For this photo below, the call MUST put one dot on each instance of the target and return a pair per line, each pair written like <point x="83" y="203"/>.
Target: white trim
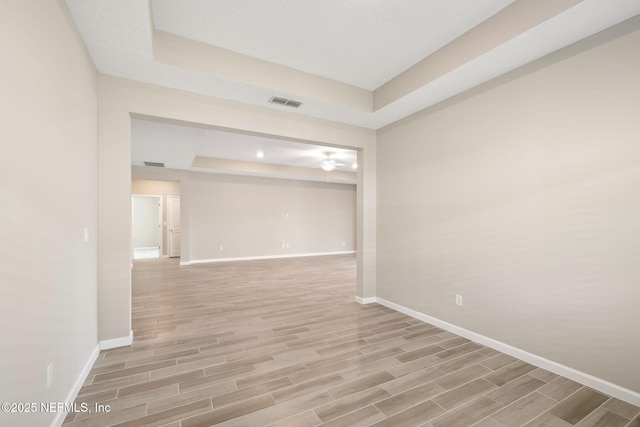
<point x="170" y="201"/>
<point x="599" y="384"/>
<point x="73" y="393"/>
<point x="116" y="342"/>
<point x="253" y="258"/>
<point x="368" y="300"/>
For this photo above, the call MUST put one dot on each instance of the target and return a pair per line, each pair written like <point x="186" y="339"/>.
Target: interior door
<point x="174" y="225"/>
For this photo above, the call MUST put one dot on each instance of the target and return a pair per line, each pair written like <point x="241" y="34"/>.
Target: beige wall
<point x="158" y="188"/>
<point x="523" y="196"/>
<point x="247" y="215"/>
<point x="48" y="184"/>
<point x="253" y="217"/>
<point x="120" y="99"/>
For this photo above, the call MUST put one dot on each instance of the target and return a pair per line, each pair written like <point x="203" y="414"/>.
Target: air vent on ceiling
<point x="285" y="101"/>
<point x="154" y="164"/>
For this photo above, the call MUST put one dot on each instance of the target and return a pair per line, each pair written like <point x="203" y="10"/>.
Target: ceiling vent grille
<point x="154" y="164"/>
<point x="285" y="101"/>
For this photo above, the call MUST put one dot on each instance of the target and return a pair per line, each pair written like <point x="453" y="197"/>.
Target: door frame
<point x="170" y="200"/>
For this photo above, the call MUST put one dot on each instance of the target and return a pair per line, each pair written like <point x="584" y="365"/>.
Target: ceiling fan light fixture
<point x="328" y="165"/>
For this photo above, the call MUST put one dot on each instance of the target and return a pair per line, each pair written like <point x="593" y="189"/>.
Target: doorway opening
<point x="165" y="219"/>
<point x="146" y="226"/>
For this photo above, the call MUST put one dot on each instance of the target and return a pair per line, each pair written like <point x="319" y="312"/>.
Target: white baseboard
<point x="116" y="342"/>
<point x="599" y="384"/>
<point x="71" y="397"/>
<point x="368" y="300"/>
<point x="254" y="258"/>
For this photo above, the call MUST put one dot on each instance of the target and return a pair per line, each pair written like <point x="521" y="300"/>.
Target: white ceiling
<point x="177" y="145"/>
<point x="361" y="43"/>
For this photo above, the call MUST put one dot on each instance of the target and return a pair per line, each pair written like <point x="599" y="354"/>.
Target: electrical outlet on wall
<point x="459" y="300"/>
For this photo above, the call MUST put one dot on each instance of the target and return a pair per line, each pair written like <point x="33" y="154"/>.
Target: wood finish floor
<point x="282" y="343"/>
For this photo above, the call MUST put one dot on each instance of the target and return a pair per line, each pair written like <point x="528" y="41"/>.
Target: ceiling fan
<point x="329" y="164"/>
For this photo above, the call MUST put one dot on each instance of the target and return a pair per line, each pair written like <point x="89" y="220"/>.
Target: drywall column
<point x="114" y="222"/>
<point x="366" y="224"/>
<point x="185" y="221"/>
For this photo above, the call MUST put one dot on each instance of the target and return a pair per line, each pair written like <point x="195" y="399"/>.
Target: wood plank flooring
<point x="282" y="343"/>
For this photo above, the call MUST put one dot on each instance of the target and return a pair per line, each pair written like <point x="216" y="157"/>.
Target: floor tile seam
<point x="453" y="348"/>
<point x="461" y="369"/>
<point x="238" y="360"/>
<point x="575" y="392"/>
<point x="302" y="395"/>
<point x="266" y="343"/>
<point x="607" y="410"/>
<point x="360" y="391"/>
<point x="494" y="371"/>
<point x="611" y="398"/>
<point x="119" y="387"/>
<point x="187" y="369"/>
<point x="215" y="409"/>
<point x="567" y="396"/>
<point x="536" y="390"/>
<point x="633" y="422"/>
<point x="82" y="396"/>
<point x="484" y="419"/>
<point x="390" y="356"/>
<point x="131" y="375"/>
<point x="175" y="360"/>
<point x="195" y="346"/>
<point x="477" y="362"/>
<point x="498" y="408"/>
<point x="323" y="366"/>
<point x="421" y="357"/>
<point x="340" y="360"/>
<point x="501" y="367"/>
<point x="149" y="380"/>
<point x="369" y="404"/>
<point x="599" y="406"/>
<point x="521" y="398"/>
<point x="330" y="354"/>
<point x="180" y="391"/>
<point x="392" y="336"/>
<point x="346" y="413"/>
<point x="521" y="424"/>
<point x="416" y="350"/>
<point x="430" y="399"/>
<point x="235" y="380"/>
<point x="495" y="387"/>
